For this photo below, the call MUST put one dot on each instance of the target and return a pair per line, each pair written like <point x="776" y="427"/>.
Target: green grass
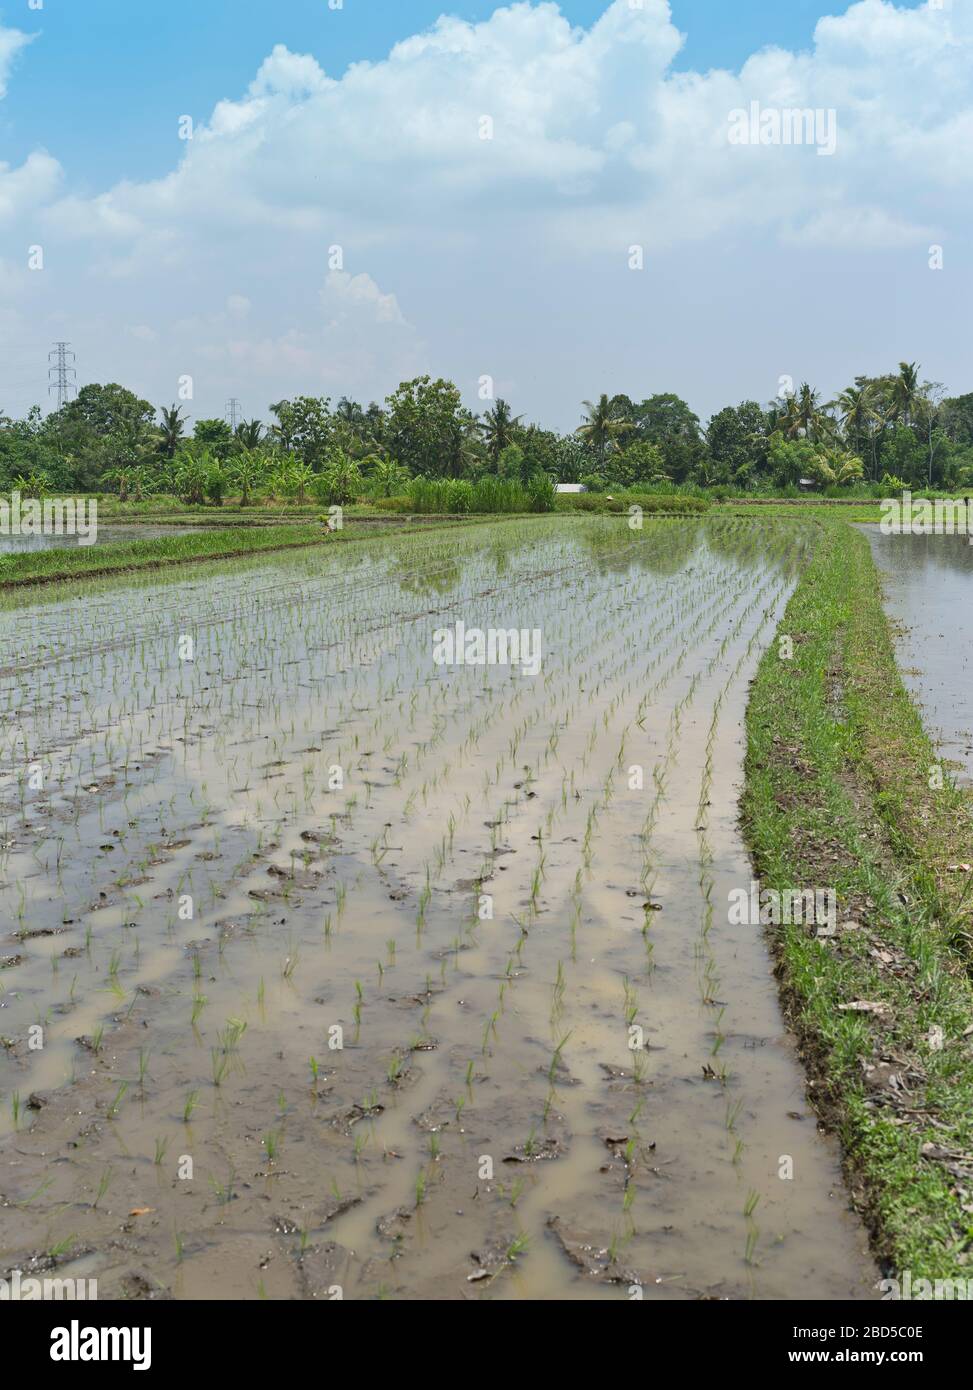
<point x="44" y="566"/>
<point x="807" y="508"/>
<point x="121" y="557"/>
<point x="837" y="795"/>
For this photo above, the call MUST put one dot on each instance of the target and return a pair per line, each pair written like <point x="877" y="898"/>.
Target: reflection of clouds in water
<point x="659" y="548"/>
<point x="928" y="588"/>
<point x="663" y="547"/>
<point x="745" y="543"/>
<point x="441" y="578"/>
<point x="10" y="545"/>
<point x="902" y="554"/>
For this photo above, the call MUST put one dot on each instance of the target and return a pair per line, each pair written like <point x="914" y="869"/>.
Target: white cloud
<point x="12" y="41"/>
<point x="31" y="186"/>
<point x="287" y="74"/>
<point x="452" y="240"/>
<point x="591" y="123"/>
<point x="344" y="294"/>
<point x="37" y="179"/>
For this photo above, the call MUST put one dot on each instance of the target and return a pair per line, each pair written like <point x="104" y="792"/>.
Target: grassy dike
<point x="122" y="557"/>
<point x="838" y="794"/>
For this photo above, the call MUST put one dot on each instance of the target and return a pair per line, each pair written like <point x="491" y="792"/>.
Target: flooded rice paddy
<point x="928" y="589"/>
<point x="21" y="544"/>
<point x="330" y="970"/>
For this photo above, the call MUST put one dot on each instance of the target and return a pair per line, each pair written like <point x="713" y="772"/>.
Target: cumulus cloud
<point x="343" y="295"/>
<point x="522" y="113"/>
<point x="519" y="151"/>
<point x="12" y="41"/>
<point x="29" y="187"/>
<point x="37" y="179"/>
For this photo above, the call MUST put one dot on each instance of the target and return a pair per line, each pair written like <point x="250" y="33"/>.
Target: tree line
<point x="890" y="431"/>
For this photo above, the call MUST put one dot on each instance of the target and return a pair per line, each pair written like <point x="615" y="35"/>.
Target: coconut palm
<point x="498" y="426"/>
<point x="603" y="425"/>
<point x="171" y="431"/>
<point x="840" y="466"/>
<point x="808" y="413"/>
<point x="907" y="394"/>
<point x="349" y="412"/>
<point x="856" y="410"/>
<point x="859" y="415"/>
<point x="249" y="433"/>
<point x="784" y="418"/>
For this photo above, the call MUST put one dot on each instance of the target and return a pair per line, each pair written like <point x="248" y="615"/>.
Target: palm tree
<point x="464" y="447"/>
<point x="498" y="426"/>
<point x="249" y="433"/>
<point x="840" y="466"/>
<point x="350" y="412"/>
<point x="907" y="394"/>
<point x="808" y="414"/>
<point x="855" y="410"/>
<point x="782" y="416"/>
<point x="857" y="415"/>
<point x="171" y="431"/>
<point x="602" y="425"/>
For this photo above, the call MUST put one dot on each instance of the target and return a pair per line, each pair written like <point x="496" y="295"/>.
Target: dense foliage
<point x="423" y="444"/>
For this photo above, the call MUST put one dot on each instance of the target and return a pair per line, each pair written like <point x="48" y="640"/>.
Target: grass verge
<point x="842" y="790"/>
<point x="121" y="557"/>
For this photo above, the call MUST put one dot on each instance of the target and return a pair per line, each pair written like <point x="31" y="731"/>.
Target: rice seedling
<point x="104" y="1183"/>
<point x="459" y="788"/>
<point x="115" y="1106"/>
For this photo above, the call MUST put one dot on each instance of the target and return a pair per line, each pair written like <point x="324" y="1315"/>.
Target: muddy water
<point x="327" y="967"/>
<point x="928" y="587"/>
<point x="16" y="545"/>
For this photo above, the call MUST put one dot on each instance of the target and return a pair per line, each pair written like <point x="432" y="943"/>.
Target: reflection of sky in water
<point x="928" y="584"/>
<point x="18" y="544"/>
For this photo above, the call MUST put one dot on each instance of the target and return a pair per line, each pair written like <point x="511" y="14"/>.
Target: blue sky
<point x="143" y="60"/>
<point x="509" y="259"/>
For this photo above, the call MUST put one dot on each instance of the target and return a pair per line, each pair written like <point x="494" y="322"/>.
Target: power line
<point x="65" y="383"/>
<point x="232" y="412"/>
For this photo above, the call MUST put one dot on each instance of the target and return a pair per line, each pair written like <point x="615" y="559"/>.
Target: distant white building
<point x="570" y="487"/>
